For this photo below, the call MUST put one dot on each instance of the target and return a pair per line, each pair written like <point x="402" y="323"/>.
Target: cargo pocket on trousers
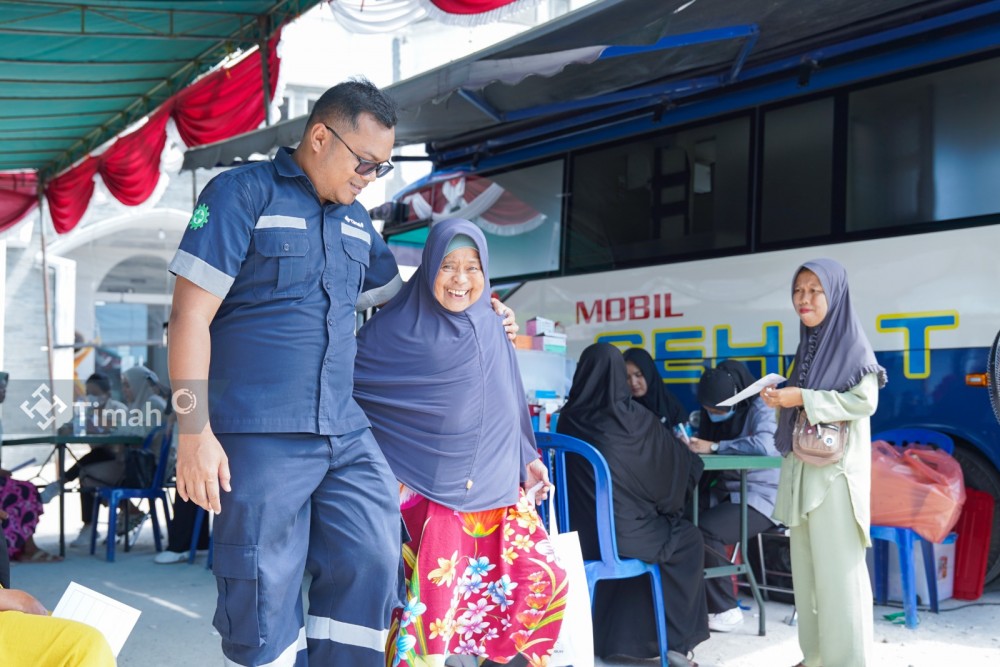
<point x="238" y="613"/>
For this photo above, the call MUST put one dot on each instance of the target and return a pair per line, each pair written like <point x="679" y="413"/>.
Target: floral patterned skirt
<point x="23" y="507"/>
<point x="482" y="584"/>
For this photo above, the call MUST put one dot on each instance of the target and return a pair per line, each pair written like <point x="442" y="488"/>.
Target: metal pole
<point x="50" y="350"/>
<point x="265" y="54"/>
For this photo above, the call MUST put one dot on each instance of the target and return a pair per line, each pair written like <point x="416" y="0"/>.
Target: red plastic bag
<point x="916" y="487"/>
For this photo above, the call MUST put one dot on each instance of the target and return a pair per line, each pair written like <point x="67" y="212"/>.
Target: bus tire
<point x="993" y="376"/>
<point x="980" y="474"/>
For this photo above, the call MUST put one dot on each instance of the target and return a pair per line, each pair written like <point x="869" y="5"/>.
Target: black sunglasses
<point x="364" y="167"/>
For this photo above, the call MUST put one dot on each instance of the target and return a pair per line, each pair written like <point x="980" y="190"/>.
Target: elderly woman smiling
<point x="439" y="381"/>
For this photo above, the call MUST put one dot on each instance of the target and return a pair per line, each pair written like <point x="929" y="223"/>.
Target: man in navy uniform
<point x="277" y="258"/>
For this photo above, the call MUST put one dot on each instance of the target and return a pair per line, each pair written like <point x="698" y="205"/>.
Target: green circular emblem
<point x="199" y="218"/>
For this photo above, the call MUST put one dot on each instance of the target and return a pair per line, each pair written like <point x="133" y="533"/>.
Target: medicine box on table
<point x="537" y="326"/>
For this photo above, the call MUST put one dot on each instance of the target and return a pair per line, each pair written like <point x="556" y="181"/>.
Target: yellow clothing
<point x="29" y="640"/>
<point x="804" y="486"/>
<point x="828" y="512"/>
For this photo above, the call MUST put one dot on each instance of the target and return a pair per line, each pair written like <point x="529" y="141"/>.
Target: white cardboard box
<point x="944" y="569"/>
<point x="537" y="326"/>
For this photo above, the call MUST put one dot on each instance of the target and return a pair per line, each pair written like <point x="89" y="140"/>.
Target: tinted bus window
<point x="660" y="197"/>
<point x="924" y="149"/>
<point x="796" y="193"/>
<point x="522" y="227"/>
<point x="519" y="212"/>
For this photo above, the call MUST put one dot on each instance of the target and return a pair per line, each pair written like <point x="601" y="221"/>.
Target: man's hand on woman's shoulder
<point x="509" y="319"/>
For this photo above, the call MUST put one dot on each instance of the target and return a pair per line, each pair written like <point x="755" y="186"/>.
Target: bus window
<point x="924" y="149"/>
<point x="660" y="197"/>
<point x="518" y="210"/>
<point x="797" y="177"/>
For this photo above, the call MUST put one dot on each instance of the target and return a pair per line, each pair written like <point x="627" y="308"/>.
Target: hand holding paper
<point x="769" y="380"/>
<point x="113" y="618"/>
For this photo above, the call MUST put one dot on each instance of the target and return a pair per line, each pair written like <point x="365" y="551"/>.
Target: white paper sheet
<point x="113" y="618"/>
<point x="768" y="380"/>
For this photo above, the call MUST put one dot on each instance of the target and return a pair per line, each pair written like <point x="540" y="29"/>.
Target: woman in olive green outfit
<point x="835" y="378"/>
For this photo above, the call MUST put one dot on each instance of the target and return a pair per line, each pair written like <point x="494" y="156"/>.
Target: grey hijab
<point x="833" y="355"/>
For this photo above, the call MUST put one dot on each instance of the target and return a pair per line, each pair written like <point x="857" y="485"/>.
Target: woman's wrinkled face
<point x="636" y="380"/>
<point x="459" y="282"/>
<point x="809" y="298"/>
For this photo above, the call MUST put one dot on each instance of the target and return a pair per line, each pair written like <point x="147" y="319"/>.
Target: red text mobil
<point x="681" y="353"/>
<point x="621" y="308"/>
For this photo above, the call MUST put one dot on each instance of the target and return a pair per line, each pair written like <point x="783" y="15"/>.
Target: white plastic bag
<point x="575" y="645"/>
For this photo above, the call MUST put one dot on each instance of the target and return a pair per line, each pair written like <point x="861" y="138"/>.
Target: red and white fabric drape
<point x="227" y="102"/>
<point x="494" y="209"/>
<point x="18" y="196"/>
<point x="378" y="16"/>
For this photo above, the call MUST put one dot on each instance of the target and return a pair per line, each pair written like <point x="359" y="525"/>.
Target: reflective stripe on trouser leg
<point x="261" y="541"/>
<point x="288" y="657"/>
<point x="354" y="556"/>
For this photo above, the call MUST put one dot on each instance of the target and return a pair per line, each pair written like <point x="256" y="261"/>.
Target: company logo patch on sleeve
<point x="199" y="218"/>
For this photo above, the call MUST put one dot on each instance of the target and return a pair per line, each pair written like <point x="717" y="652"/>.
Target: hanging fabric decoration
<point x="382" y="16"/>
<point x="222" y="104"/>
<point x="487" y="204"/>
<point x="18" y="196"/>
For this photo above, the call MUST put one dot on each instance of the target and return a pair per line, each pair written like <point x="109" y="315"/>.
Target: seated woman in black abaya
<point x="651" y="474"/>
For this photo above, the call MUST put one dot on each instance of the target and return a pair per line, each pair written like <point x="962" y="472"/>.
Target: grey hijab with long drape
<point x="443" y="391"/>
<point x="833" y="355"/>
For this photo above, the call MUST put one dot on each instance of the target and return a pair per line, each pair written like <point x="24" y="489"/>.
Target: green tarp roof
<point x="75" y="74"/>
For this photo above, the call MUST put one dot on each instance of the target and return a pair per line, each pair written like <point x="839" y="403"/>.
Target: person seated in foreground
<point x="29" y="637"/>
<point x="746" y="428"/>
<point x="20" y="512"/>
<point x="20" y="509"/>
<point x="652" y="473"/>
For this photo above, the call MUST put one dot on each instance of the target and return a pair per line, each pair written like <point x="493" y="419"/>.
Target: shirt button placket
<point x="328" y="283"/>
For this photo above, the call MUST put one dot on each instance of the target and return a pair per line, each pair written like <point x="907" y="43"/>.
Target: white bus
<point x="679" y="231"/>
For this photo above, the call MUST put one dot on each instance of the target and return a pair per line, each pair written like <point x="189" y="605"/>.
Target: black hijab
<point x="835" y="354"/>
<point x="716" y="385"/>
<point x="658" y="398"/>
<point x="651" y="470"/>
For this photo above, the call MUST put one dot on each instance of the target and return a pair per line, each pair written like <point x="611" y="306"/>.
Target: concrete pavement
<point x="178" y="601"/>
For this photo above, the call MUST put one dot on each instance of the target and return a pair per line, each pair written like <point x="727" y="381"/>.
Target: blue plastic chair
<point x="114" y="495"/>
<point x="906" y="538"/>
<point x="554" y="447"/>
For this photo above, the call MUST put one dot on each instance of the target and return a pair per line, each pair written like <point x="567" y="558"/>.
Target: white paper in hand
<point x="769" y="380"/>
<point x="114" y="619"/>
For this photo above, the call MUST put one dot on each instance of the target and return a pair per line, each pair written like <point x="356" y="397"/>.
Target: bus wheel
<point x="993" y="376"/>
<point x="980" y="474"/>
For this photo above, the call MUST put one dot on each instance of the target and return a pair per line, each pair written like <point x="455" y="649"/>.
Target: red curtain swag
<point x="469" y="6"/>
<point x="223" y="104"/>
<point x="476" y="198"/>
<point x="18" y="197"/>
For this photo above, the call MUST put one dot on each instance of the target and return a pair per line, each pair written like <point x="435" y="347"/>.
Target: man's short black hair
<point x="101" y="381"/>
<point x="343" y="103"/>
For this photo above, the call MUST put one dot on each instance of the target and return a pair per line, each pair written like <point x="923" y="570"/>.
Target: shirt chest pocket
<point x="357" y="265"/>
<point x="280" y="268"/>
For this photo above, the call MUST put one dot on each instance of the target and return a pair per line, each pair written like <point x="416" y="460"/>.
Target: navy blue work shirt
<point x="291" y="273"/>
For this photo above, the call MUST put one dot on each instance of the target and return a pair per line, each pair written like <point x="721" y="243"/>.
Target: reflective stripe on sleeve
<point x="201" y="273"/>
